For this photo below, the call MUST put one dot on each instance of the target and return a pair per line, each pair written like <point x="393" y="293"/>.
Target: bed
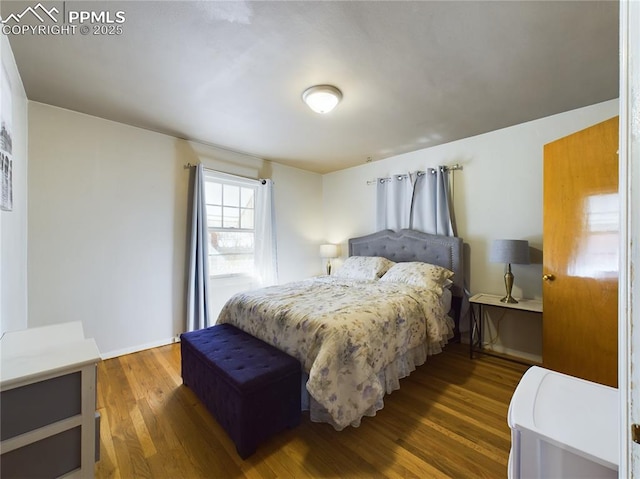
<point x="359" y="331"/>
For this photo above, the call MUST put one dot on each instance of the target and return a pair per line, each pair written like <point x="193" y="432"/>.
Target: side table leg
<point x="473" y="328"/>
<point x="480" y="327"/>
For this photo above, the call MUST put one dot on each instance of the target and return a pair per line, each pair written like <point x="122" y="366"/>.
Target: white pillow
<point x="424" y="275"/>
<point x="364" y="267"/>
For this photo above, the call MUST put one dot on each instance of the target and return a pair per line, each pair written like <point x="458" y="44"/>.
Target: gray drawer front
<point x="36" y="405"/>
<point x="51" y="457"/>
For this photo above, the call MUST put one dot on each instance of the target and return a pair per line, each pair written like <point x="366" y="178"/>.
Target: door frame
<point x="629" y="290"/>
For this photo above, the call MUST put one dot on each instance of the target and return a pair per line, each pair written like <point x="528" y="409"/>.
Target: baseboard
<point x="534" y="358"/>
<point x="142" y="347"/>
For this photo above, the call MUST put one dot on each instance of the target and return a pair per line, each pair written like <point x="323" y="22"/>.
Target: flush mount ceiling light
<point x="322" y="98"/>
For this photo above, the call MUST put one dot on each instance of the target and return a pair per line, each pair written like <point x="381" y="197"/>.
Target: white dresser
<point x="48" y="402"/>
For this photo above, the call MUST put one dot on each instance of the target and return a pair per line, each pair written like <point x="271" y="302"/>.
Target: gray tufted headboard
<point x="412" y="245"/>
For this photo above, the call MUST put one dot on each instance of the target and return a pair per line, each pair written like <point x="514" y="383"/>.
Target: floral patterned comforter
<point x="343" y="331"/>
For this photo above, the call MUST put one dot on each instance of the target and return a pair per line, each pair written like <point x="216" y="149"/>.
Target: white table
<point x="482" y="300"/>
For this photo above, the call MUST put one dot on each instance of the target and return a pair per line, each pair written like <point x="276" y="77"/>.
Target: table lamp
<point x="329" y="251"/>
<point x="509" y="252"/>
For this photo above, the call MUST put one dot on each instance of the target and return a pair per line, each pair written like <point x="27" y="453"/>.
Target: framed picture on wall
<point x="6" y="147"/>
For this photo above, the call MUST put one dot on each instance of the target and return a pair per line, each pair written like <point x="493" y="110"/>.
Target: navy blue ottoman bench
<point x="249" y="386"/>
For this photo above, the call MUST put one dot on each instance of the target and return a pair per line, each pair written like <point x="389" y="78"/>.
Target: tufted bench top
<point x="243" y="361"/>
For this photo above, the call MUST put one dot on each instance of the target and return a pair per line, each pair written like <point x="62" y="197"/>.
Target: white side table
<point x="479" y="302"/>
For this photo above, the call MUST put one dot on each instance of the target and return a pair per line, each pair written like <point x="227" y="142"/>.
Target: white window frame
<point x="227" y="179"/>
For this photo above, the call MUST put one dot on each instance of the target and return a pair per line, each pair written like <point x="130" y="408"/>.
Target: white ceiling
<point x="413" y="74"/>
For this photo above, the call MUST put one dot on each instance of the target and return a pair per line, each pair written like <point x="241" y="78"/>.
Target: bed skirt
<point x="390" y="377"/>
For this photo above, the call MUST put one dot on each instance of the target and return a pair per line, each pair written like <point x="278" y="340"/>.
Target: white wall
<point x="13" y="224"/>
<point x="108" y="227"/>
<point x="298" y="204"/>
<point x="498" y="194"/>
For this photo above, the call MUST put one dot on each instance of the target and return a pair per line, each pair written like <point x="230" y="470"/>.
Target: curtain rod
<point x="431" y="170"/>
<point x="188" y="166"/>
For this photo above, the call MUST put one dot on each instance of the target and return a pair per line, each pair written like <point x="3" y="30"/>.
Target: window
<point x="231" y="206"/>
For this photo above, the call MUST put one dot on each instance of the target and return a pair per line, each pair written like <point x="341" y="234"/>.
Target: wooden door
<point x="581" y="227"/>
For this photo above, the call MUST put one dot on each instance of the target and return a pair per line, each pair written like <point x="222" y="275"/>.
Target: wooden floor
<point x="447" y="420"/>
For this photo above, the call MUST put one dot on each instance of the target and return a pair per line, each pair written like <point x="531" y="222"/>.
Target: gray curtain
<point x="198" y="281"/>
<point x="419" y="201"/>
<point x="431" y="210"/>
<point x="393" y="202"/>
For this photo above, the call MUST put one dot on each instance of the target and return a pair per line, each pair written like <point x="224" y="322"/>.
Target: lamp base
<point x="508" y="299"/>
<point x="508" y="283"/>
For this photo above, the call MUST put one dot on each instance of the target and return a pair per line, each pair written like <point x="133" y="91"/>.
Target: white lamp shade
<point x="510" y="251"/>
<point x="329" y="251"/>
<point x="322" y="98"/>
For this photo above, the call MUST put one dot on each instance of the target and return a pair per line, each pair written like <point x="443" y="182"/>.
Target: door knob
<point x="548" y="277"/>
